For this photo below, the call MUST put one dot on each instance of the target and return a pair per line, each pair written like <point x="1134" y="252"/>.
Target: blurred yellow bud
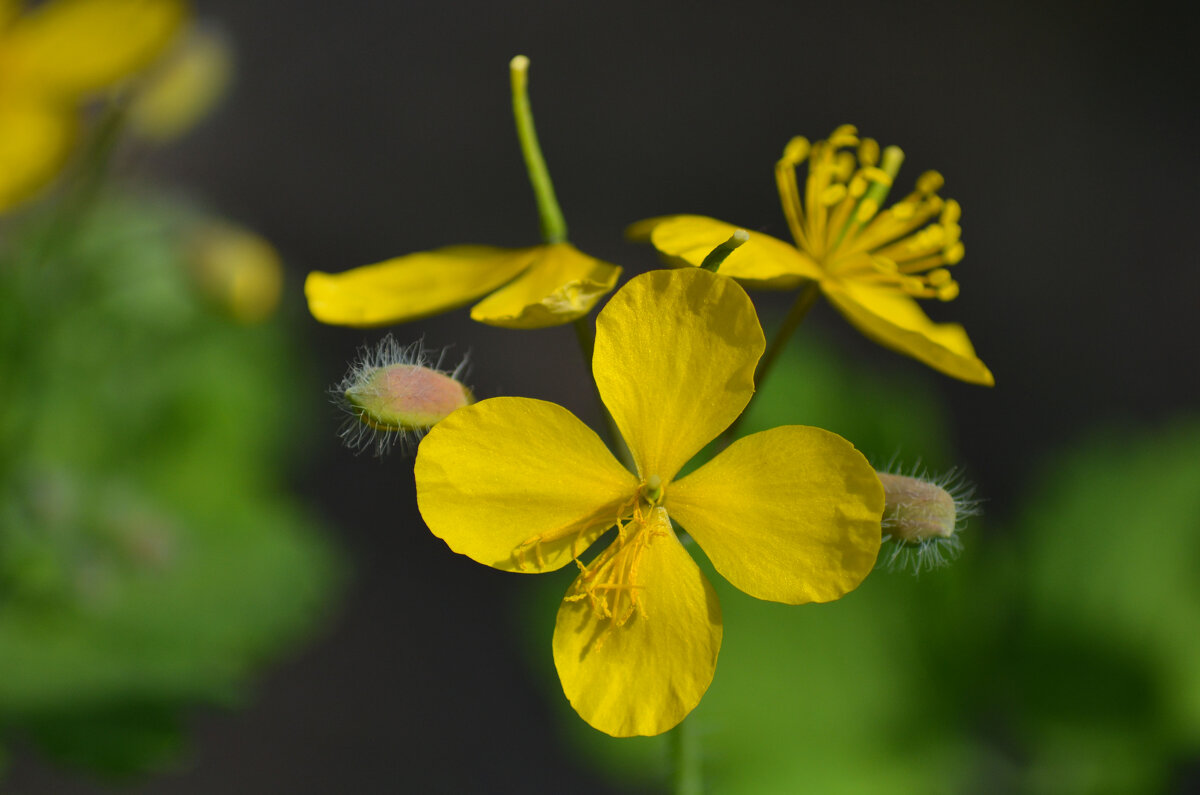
<point x="236" y="270"/>
<point x="184" y="87"/>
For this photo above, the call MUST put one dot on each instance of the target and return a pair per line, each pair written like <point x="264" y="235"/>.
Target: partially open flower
<point x="395" y="393"/>
<point x="922" y="517"/>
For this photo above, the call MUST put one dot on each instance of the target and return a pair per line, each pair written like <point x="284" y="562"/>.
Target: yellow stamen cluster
<point x="840" y="225"/>
<point x="610" y="581"/>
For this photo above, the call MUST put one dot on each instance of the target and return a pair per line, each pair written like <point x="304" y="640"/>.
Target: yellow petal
<point x="562" y="284"/>
<point x="896" y="321"/>
<point x="674" y="363"/>
<point x="65" y="48"/>
<point x="644" y="676"/>
<point x="34" y="144"/>
<point x="762" y="261"/>
<point x="791" y="514"/>
<point x="412" y="286"/>
<point x="505" y="472"/>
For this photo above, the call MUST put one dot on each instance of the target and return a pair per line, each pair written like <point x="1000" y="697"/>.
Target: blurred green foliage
<point x="1060" y="654"/>
<point x="150" y="559"/>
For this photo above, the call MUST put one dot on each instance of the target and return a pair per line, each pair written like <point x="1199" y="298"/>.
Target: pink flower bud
<point x="394" y="393"/>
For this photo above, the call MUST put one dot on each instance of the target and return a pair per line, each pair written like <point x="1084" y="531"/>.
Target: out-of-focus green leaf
<point x="882" y="414"/>
<point x="149" y="557"/>
<point x="1109" y="659"/>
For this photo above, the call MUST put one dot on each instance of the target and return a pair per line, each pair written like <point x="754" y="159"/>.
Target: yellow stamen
<point x="930" y="182"/>
<point x="954" y="254"/>
<point x="868" y="152"/>
<point x="843" y="225"/>
<point x="610" y="582"/>
<point x="575" y="531"/>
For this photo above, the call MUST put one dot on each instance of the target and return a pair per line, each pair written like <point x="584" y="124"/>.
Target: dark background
<point x="361" y="131"/>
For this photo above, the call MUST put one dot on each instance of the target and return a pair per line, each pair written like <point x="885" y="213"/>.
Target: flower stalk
<point x="687" y="777"/>
<point x="795" y="316"/>
<point x="554" y="226"/>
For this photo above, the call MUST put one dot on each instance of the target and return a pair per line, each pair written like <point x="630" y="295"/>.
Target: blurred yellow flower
<point x="870" y="263"/>
<point x="790" y="515"/>
<point x="53" y="56"/>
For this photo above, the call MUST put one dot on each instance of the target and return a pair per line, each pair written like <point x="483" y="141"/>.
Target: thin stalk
<point x="587" y="346"/>
<point x="795" y="316"/>
<point x="554" y="226"/>
<point x="73" y="208"/>
<point x="687" y="778"/>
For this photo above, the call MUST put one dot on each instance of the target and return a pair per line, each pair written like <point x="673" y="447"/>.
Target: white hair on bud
<point x="935" y="551"/>
<point x="357" y="431"/>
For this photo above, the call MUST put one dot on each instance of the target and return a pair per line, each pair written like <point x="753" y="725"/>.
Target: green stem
<point x="73" y="208"/>
<point x="587" y="346"/>
<point x="804" y="301"/>
<point x="687" y="777"/>
<point x="554" y="226"/>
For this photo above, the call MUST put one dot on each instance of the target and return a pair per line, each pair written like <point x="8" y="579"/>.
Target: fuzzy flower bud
<point x="185" y="86"/>
<point x="395" y="393"/>
<point x="237" y="271"/>
<point x="922" y="517"/>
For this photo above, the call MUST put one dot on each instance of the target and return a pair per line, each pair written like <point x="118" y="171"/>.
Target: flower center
<point x="840" y="225"/>
<point x="633" y="511"/>
<point x="652" y="490"/>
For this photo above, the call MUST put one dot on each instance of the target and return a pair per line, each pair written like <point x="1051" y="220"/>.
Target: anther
<point x="868" y="152"/>
<point x="930" y="182"/>
<point x="796" y="150"/>
<point x="833" y="194"/>
<point x="866" y="210"/>
<point x="951" y="213"/>
<point x="843" y="166"/>
<point x="938" y="277"/>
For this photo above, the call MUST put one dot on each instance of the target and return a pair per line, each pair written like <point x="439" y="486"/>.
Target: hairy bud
<point x="922" y="517"/>
<point x="395" y="393"/>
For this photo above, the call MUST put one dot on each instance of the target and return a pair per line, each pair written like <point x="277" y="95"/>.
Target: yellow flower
<point x="870" y="264"/>
<point x="790" y="515"/>
<point x="531" y="287"/>
<point x="51" y="58"/>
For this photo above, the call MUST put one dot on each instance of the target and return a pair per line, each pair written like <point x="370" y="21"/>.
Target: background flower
<point x="870" y="262"/>
<point x="54" y="56"/>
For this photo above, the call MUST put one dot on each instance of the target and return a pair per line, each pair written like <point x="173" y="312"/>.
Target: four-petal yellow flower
<point x="790" y="515"/>
<point x="871" y="263"/>
<point x="54" y="56"/>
